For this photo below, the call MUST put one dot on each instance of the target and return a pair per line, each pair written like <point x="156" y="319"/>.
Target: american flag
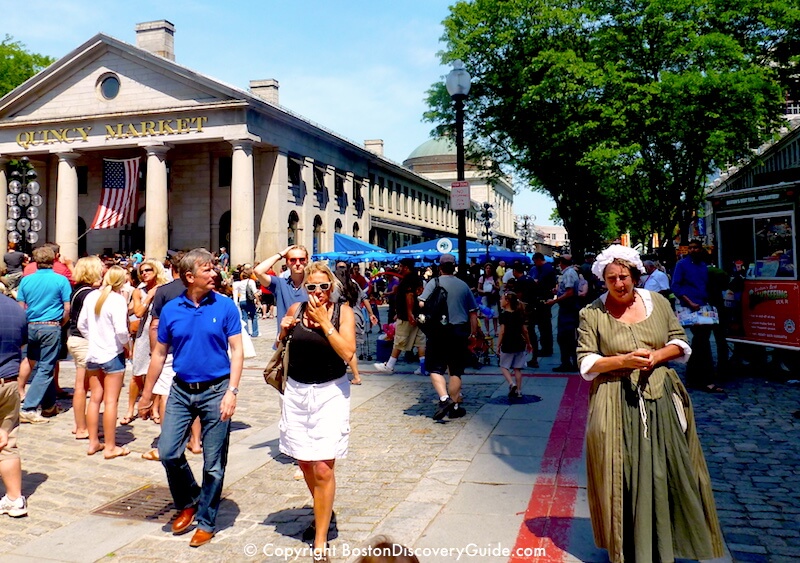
<point x="120" y="199"/>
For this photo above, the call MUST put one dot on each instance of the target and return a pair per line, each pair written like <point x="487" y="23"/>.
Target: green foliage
<point x="17" y="64"/>
<point x="619" y="110"/>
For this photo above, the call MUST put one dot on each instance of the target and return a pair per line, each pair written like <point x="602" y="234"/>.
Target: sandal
<point x="156" y="418"/>
<point x="126" y="420"/>
<point x="152" y="455"/>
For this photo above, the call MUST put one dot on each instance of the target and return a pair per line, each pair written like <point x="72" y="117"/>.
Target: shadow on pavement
<point x="31" y="482"/>
<point x="292" y="522"/>
<point x="562" y="531"/>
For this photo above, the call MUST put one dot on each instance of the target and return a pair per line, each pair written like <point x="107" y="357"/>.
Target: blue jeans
<point x="44" y="343"/>
<point x="249" y="312"/>
<point x="182" y="408"/>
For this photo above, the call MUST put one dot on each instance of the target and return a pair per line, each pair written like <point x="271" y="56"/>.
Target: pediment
<point x="70" y="87"/>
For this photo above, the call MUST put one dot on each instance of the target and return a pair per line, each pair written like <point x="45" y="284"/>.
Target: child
<point x="513" y="343"/>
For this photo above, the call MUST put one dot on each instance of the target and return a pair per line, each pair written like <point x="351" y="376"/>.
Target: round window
<point x="109" y="87"/>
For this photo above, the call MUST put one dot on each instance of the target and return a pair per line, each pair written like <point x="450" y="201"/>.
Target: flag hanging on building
<point x="120" y="199"/>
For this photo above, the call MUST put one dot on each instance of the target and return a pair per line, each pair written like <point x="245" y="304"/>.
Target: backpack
<point x="434" y="314"/>
<point x="249" y="293"/>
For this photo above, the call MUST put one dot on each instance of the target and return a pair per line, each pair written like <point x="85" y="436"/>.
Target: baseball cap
<point x="447" y="258"/>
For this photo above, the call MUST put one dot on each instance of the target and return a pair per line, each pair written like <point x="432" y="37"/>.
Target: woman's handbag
<point x="275" y="373"/>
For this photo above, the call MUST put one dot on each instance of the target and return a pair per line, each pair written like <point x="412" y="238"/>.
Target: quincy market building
<point x="219" y="166"/>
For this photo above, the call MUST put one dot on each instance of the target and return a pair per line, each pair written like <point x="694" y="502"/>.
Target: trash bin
<point x="383" y="350"/>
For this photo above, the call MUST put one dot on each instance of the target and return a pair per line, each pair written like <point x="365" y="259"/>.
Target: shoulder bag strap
<point x="72" y="300"/>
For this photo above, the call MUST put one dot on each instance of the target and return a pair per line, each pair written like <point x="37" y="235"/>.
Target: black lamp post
<point x="23" y="201"/>
<point x="458" y="83"/>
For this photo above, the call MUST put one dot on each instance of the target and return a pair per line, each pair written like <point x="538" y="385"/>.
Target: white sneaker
<point x="419" y="371"/>
<point x="383" y="367"/>
<point x="14" y="508"/>
<point x="32" y="417"/>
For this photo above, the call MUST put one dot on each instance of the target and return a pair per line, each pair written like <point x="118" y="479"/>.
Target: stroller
<point x="481" y="349"/>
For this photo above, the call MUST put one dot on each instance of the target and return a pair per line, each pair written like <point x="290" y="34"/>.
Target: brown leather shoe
<point x="200" y="537"/>
<point x="183" y="520"/>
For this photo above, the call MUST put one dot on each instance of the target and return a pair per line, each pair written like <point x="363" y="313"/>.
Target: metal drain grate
<point x="151" y="503"/>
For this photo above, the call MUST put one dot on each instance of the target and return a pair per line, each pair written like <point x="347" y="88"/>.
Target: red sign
<point x="459" y="195"/>
<point x="771" y="312"/>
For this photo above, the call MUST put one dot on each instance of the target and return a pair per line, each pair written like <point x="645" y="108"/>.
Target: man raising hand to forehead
<point x="287" y="291"/>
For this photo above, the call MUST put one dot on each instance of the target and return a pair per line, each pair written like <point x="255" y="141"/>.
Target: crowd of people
<point x="181" y="323"/>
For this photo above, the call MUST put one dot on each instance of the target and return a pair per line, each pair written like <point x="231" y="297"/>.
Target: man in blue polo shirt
<point x="200" y="326"/>
<point x="45" y="297"/>
<point x="289" y="290"/>
<point x="13" y="334"/>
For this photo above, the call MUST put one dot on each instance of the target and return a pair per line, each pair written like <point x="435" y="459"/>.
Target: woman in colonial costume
<point x="650" y="494"/>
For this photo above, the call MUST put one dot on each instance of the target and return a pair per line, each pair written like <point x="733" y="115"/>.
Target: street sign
<point x="459" y="196"/>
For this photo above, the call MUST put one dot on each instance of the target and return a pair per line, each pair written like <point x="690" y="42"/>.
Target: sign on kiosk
<point x="770" y="312"/>
<point x="459" y="196"/>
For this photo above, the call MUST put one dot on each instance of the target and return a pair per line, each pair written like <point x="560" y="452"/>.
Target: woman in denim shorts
<point x="87" y="276"/>
<point x="104" y="323"/>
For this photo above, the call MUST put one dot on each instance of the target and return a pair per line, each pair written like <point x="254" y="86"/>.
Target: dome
<point x="434" y="147"/>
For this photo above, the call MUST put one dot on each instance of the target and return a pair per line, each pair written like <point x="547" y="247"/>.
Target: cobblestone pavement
<point x="752" y="446"/>
<point x="396" y="477"/>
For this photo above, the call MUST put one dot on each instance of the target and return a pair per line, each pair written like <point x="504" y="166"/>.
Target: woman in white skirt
<point x="315" y="419"/>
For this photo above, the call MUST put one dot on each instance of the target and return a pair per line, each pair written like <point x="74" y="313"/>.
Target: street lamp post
<point x="525" y="231"/>
<point x="23" y="201"/>
<point x="458" y="83"/>
<point x="488" y="234"/>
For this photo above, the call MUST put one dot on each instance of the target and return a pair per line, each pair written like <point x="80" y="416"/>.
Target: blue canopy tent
<point x="353" y="246"/>
<point x="430" y="245"/>
<point x="349" y="249"/>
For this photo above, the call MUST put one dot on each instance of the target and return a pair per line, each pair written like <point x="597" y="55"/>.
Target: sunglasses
<point x="312" y="287"/>
<point x="145" y="270"/>
<point x="296" y="260"/>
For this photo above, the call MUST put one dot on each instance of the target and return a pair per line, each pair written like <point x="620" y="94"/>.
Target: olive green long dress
<point x="649" y="491"/>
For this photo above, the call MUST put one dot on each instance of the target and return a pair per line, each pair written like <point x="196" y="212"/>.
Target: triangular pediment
<point x="70" y="87"/>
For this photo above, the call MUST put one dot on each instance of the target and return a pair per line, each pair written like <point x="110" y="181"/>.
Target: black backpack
<point x="434" y="315"/>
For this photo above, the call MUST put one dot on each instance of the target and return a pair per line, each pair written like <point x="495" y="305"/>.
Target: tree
<point x="17" y="64"/>
<point x="619" y="110"/>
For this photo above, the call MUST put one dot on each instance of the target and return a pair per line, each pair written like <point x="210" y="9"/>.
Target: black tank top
<point x="312" y="359"/>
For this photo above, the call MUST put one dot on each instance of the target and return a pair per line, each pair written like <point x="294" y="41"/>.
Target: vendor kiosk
<point x="756" y="241"/>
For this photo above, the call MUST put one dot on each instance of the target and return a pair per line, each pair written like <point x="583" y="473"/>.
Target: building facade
<point x="219" y="166"/>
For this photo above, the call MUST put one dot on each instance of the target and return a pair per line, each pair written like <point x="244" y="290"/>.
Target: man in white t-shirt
<point x="655" y="280"/>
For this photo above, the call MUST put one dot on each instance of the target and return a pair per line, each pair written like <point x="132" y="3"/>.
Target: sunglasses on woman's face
<point x="145" y="270"/>
<point x="312" y="287"/>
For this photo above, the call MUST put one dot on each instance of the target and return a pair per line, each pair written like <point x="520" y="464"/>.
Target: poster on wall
<point x="771" y="312"/>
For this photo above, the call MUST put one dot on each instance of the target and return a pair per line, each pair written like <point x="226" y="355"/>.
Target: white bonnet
<point x="612" y="252"/>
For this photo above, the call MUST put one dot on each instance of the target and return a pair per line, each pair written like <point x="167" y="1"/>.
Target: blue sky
<point x="358" y="67"/>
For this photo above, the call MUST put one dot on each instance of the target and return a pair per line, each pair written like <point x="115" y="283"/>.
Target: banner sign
<point x="771" y="312"/>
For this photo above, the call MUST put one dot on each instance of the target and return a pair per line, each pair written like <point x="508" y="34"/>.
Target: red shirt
<point x="58" y="267"/>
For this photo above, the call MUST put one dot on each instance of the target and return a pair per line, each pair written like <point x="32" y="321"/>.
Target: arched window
<point x="337" y="226"/>
<point x="317" y="247"/>
<point x="356" y="230"/>
<point x="291" y="232"/>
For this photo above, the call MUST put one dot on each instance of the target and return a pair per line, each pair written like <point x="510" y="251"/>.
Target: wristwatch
<point x="234" y="390"/>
